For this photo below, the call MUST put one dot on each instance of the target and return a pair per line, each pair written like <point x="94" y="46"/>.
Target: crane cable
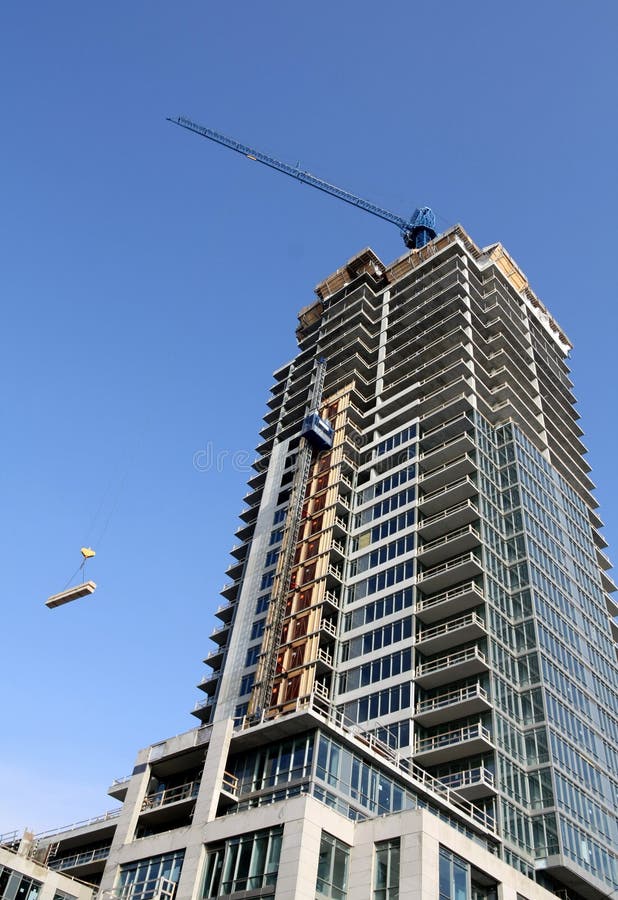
<point x="87" y="551"/>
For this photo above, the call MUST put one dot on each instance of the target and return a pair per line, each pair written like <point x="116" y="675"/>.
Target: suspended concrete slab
<point x="74" y="593"/>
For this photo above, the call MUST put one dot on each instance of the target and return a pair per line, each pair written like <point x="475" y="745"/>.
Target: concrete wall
<point x="52" y="881"/>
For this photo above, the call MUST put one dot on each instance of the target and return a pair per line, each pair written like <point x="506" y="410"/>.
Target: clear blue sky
<point x="150" y="282"/>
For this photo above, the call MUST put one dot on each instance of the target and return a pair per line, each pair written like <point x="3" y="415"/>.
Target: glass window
<point x="386" y="876"/>
<point x="332" y="880"/>
<point x="454" y="877"/>
<point x="15" y="885"/>
<point x="145" y="879"/>
<point x="247" y="862"/>
<point x="257" y="629"/>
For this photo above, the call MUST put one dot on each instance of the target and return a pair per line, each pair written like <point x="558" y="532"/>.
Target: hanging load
<point x="78" y="590"/>
<point x="74" y="593"/>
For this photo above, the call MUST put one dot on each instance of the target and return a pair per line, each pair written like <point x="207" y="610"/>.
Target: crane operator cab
<point x="318" y="432"/>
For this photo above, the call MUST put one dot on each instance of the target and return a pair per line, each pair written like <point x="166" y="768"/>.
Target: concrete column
<point x="205" y="807"/>
<point x="127" y="820"/>
<point x="300" y="850"/>
<point x="419" y="865"/>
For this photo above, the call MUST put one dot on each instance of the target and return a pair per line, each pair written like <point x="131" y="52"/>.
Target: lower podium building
<point x="414" y="686"/>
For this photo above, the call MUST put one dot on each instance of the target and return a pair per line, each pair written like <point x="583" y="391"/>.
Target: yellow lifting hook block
<point x="87" y="552"/>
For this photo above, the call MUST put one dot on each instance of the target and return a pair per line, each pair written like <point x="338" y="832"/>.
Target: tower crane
<point x="316" y="433"/>
<point x="416" y="231"/>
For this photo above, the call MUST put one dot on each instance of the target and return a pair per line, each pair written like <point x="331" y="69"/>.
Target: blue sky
<point x="150" y="282"/>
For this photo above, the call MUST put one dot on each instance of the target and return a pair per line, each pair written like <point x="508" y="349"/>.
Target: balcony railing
<point x="440" y="708"/>
<point x="469" y="778"/>
<point x="450" y="511"/>
<point x="332" y="598"/>
<point x="171" y="795"/>
<point x="464" y="538"/>
<point x="450" y="661"/>
<point x="452" y="738"/>
<point x="79" y="859"/>
<point x="447" y="488"/>
<point x="104" y="817"/>
<point x="448" y="573"/>
<point x="469" y="622"/>
<point x="438" y="606"/>
<point x="328" y="627"/>
<point x="230" y="783"/>
<point x="419" y="777"/>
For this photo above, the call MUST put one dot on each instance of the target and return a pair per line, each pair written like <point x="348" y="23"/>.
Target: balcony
<point x="455" y="743"/>
<point x="607" y="583"/>
<point x="230" y="590"/>
<point x="449" y="519"/>
<point x="455" y="543"/>
<point x="118" y="788"/>
<point x="179" y="794"/>
<point x="87" y="862"/>
<point x="449" y="634"/>
<point x="321" y="691"/>
<point x="447" y="472"/>
<point x="452" y="667"/>
<point x="225" y="612"/>
<point x="328" y="629"/>
<point x="446" y="412"/>
<point x="449" y="603"/>
<point x="219" y="635"/>
<point x="324" y="662"/>
<point x="473" y="784"/>
<point x="448" y="495"/>
<point x="209" y="682"/>
<point x="340" y="527"/>
<point x="444" y="432"/>
<point x="331" y="599"/>
<point x="202" y="709"/>
<point x="337" y="551"/>
<point x="448" y="574"/>
<point x="229" y="790"/>
<point x="334" y="577"/>
<point x="451" y="705"/>
<point x="215" y="657"/>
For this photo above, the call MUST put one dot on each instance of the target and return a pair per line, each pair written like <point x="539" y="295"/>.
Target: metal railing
<point x="445" y="513"/>
<point x="9" y="838"/>
<point x="452" y="738"/>
<point x="469" y="778"/>
<point x="186" y="791"/>
<point x="446" y="488"/>
<point x="230" y="783"/>
<point x="448" y="627"/>
<point x="413" y="773"/>
<point x="445" y="596"/>
<point x="104" y="817"/>
<point x="450" y="564"/>
<point x="449" y="661"/>
<point x="451" y="698"/>
<point x="431" y="473"/>
<point x="447" y="538"/>
<point x="80" y="859"/>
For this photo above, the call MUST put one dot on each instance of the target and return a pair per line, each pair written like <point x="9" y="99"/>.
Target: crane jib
<point x="416" y="231"/>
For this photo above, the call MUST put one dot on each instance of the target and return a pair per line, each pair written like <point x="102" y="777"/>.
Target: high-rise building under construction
<point x="414" y="690"/>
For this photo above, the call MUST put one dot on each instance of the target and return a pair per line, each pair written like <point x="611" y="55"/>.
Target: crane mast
<point x="416" y="231"/>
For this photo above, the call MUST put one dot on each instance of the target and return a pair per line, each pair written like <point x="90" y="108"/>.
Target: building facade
<point x="414" y="686"/>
